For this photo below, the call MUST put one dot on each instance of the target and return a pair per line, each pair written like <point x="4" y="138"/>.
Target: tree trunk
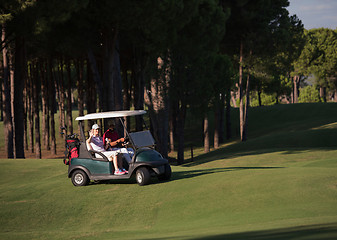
<point x="172" y="122"/>
<point x="80" y="83"/>
<point x="126" y="98"/>
<point x="322" y="93"/>
<point x="217" y="115"/>
<point x="206" y="135"/>
<point x="242" y="123"/>
<point x="296" y="80"/>
<point x="52" y="108"/>
<point x="31" y="109"/>
<point x="45" y="105"/>
<point x="117" y="79"/>
<point x="157" y="101"/>
<point x="90" y="91"/>
<point x="91" y="95"/>
<point x="96" y="77"/>
<point x="243" y="107"/>
<point x="221" y="124"/>
<point x="25" y="103"/>
<point x="1" y="99"/>
<point x="6" y="96"/>
<point x="108" y="69"/>
<point x="228" y="115"/>
<point x="11" y="84"/>
<point x="60" y="90"/>
<point x="117" y="84"/>
<point x="139" y="84"/>
<point x="259" y="97"/>
<point x="171" y="131"/>
<point x="19" y="76"/>
<point x="36" y="91"/>
<point x="180" y="132"/>
<point x="69" y="102"/>
<point x="245" y="125"/>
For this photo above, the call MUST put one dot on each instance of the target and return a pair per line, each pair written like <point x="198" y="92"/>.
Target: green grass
<point x="272" y="193"/>
<point x="279" y="127"/>
<point x="281" y="184"/>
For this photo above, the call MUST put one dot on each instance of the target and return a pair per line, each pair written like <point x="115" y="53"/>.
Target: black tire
<point x="143" y="176"/>
<point x="167" y="175"/>
<point x="79" y="178"/>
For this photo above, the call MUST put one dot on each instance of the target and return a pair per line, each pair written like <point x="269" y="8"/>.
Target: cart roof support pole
<point x="127" y="133"/>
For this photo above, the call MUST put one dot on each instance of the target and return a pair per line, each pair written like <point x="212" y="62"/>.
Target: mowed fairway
<point x="267" y="198"/>
<point x="262" y="189"/>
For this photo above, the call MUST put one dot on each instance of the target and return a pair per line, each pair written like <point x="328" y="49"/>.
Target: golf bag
<point x="72" y="148"/>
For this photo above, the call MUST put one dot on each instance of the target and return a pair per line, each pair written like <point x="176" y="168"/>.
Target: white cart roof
<point x="112" y="114"/>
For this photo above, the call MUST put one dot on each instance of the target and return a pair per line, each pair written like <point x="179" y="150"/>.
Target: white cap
<point x="95" y="126"/>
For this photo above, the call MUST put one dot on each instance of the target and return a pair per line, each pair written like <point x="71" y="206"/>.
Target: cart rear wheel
<point x="79" y="178"/>
<point x="143" y="176"/>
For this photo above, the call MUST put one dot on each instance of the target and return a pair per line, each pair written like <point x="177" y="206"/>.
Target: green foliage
<point x="188" y="33"/>
<point x="319" y="56"/>
<point x="197" y="68"/>
<point x="266" y="99"/>
<point x="272" y="71"/>
<point x="309" y="94"/>
<point x="325" y="59"/>
<point x="271" y="39"/>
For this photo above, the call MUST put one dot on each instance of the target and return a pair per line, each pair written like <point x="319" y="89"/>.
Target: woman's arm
<point x="89" y="139"/>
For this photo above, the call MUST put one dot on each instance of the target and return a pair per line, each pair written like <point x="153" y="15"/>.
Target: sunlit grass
<point x="280" y="184"/>
<point x="278" y="190"/>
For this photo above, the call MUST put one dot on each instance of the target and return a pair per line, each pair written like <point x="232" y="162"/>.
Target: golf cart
<point x="91" y="165"/>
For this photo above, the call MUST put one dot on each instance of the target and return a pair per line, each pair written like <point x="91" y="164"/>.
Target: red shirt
<point x="112" y="135"/>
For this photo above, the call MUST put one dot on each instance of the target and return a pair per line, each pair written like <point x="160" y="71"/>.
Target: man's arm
<point x="115" y="143"/>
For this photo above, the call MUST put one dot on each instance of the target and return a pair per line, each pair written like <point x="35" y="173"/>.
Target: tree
<point x="221" y="75"/>
<point x="319" y="58"/>
<point x="256" y="27"/>
<point x="325" y="64"/>
<point x="157" y="101"/>
<point x="7" y="115"/>
<point x="152" y="43"/>
<point x="36" y="92"/>
<point x="190" y="79"/>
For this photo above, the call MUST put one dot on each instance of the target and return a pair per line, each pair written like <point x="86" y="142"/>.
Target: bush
<point x="309" y="94"/>
<point x="266" y="99"/>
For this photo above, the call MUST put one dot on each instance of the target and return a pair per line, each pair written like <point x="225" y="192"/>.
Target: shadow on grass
<point x="200" y="172"/>
<point x="178" y="175"/>
<point x="310" y="232"/>
<point x="322" y="232"/>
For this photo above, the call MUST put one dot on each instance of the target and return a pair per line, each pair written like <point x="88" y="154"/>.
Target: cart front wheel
<point x="143" y="176"/>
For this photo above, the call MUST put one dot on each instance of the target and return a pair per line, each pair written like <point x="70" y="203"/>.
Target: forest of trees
<point x="167" y="56"/>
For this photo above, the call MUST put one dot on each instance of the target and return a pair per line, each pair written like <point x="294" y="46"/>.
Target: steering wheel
<point x="126" y="141"/>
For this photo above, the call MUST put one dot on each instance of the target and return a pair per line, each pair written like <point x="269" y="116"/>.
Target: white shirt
<point x="97" y="144"/>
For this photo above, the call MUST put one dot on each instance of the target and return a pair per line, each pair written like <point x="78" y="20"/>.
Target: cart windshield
<point x="142" y="139"/>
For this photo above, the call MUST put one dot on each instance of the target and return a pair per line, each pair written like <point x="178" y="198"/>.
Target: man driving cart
<point x="112" y="141"/>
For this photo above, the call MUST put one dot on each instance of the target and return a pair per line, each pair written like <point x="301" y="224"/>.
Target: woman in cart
<point x="95" y="142"/>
